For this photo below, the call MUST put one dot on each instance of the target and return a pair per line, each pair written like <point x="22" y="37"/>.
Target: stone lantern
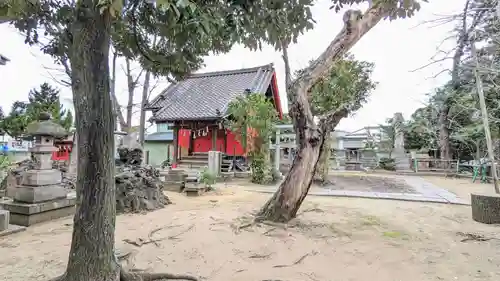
<point x="45" y="132"/>
<point x="41" y="197"/>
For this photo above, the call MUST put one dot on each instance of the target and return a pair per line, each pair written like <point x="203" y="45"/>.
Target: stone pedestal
<point x="401" y="160"/>
<point x="5" y="227"/>
<point x="4" y="220"/>
<point x="26" y="214"/>
<point x="214" y="162"/>
<point x="40" y="195"/>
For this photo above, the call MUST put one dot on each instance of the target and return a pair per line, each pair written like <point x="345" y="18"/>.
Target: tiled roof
<point x="160" y="136"/>
<point x="199" y="96"/>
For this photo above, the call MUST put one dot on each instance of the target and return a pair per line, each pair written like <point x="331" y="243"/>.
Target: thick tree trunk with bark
<point x="444" y="133"/>
<point x="118" y="115"/>
<point x="485" y="208"/>
<point x="131" y="87"/>
<point x="284" y="204"/>
<point x="321" y="176"/>
<point x="92" y="248"/>
<point x="92" y="255"/>
<point x="144" y="103"/>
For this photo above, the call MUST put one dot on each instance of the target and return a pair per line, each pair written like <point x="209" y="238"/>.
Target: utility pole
<point x="484" y="113"/>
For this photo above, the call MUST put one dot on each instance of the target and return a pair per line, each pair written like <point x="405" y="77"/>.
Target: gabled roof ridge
<point x="269" y="67"/>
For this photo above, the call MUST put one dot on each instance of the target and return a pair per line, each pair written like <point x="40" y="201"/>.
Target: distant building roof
<point x="3" y="60"/>
<point x="160" y="136"/>
<point x="201" y="96"/>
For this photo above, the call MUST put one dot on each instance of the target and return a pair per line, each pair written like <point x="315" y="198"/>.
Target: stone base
<point x="28" y="214"/>
<point x="12" y="229"/>
<point x="244" y="175"/>
<point x="37" y="194"/>
<point x="486" y="208"/>
<point x="4" y="219"/>
<point x="401" y="160"/>
<point x="173" y="186"/>
<point x="354" y="166"/>
<point x="226" y="176"/>
<point x="42" y="177"/>
<point x="194" y="190"/>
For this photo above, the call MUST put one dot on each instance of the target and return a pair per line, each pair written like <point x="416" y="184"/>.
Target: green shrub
<point x="207" y="178"/>
<point x="261" y="171"/>
<point x="4" y="162"/>
<point x="165" y="164"/>
<point x="387" y="164"/>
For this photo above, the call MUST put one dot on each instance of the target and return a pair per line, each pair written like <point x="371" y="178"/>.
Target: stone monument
<point x="40" y="196"/>
<point x="400" y="158"/>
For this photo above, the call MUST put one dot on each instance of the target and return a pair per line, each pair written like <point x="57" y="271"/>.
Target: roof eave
<point x="152" y="119"/>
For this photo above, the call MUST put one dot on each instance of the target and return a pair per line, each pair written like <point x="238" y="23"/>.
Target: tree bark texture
<point x="323" y="168"/>
<point x="92" y="248"/>
<point x="144" y="103"/>
<point x="485" y="208"/>
<point x="118" y="115"/>
<point x="444" y="133"/>
<point x="92" y="255"/>
<point x="130" y="101"/>
<point x="286" y="201"/>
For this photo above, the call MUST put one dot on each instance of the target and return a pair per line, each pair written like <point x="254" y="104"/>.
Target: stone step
<point x="195" y="157"/>
<point x="193" y="161"/>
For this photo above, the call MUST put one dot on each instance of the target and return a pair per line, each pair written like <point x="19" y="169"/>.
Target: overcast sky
<point x="396" y="48"/>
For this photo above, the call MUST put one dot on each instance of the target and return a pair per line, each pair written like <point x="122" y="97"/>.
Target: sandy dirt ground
<point x="339" y="239"/>
<point x="369" y="183"/>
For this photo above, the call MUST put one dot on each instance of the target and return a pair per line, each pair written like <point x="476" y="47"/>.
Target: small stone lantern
<point x="42" y="183"/>
<point x="45" y="132"/>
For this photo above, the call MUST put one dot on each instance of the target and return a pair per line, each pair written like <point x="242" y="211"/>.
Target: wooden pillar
<point x="225" y="141"/>
<point x="176" y="144"/>
<point x="214" y="138"/>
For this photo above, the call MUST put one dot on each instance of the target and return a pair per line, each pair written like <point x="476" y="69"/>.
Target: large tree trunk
<point x="323" y="168"/>
<point x="92" y="248"/>
<point x="131" y="88"/>
<point x="118" y="115"/>
<point x="286" y="201"/>
<point x="92" y="256"/>
<point x="444" y="133"/>
<point x="144" y="103"/>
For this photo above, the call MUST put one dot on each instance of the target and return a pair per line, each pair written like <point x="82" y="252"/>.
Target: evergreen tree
<point x="44" y="99"/>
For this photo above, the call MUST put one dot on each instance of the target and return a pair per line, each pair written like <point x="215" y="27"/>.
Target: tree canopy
<point x="348" y="86"/>
<point x="44" y="99"/>
<point x="459" y="97"/>
<point x="186" y="30"/>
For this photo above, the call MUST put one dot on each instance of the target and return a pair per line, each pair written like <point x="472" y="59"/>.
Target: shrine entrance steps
<point x="199" y="160"/>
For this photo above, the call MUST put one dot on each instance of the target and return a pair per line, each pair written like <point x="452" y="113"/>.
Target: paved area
<point x="426" y="192"/>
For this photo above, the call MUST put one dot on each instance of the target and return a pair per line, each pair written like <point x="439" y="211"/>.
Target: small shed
<point x="160" y="146"/>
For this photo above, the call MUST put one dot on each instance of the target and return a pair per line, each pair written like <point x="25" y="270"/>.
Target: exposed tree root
<point x="135" y="275"/>
<point x="139" y="242"/>
<point x="145" y="276"/>
<point x="474" y="237"/>
<point x="300" y="260"/>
